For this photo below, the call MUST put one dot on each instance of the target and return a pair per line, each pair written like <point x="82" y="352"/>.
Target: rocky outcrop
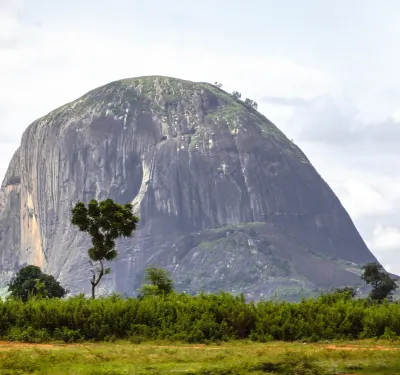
<point x="226" y="201"/>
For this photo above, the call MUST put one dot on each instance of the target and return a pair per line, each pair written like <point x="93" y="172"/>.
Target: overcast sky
<point x="325" y="72"/>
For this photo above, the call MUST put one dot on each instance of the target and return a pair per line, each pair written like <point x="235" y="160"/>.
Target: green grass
<point x="230" y="358"/>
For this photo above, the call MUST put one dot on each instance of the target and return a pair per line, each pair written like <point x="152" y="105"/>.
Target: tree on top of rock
<point x="236" y="95"/>
<point x="251" y="103"/>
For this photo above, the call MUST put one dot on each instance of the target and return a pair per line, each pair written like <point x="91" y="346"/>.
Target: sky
<point x="325" y="72"/>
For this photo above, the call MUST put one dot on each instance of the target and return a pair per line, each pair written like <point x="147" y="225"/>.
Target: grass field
<point x="363" y="357"/>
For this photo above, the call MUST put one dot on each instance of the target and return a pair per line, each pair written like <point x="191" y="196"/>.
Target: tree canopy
<point x="383" y="285"/>
<point x="104" y="221"/>
<point x="348" y="292"/>
<point x="251" y="103"/>
<point x="237" y="95"/>
<point x="160" y="282"/>
<point x="31" y="281"/>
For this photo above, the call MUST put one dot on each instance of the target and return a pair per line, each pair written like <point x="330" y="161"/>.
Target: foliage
<point x="40" y="289"/>
<point x="104" y="221"/>
<point x="219" y="85"/>
<point x="201" y="319"/>
<point x="236" y="95"/>
<point x="31" y="281"/>
<point x="251" y="103"/>
<point x="160" y="282"/>
<point x="383" y="285"/>
<point x="347" y="291"/>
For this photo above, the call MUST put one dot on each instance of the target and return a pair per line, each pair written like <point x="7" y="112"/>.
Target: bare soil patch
<point x="358" y="347"/>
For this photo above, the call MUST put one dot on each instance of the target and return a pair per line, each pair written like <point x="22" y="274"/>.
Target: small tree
<point x="383" y="285"/>
<point x="105" y="221"/>
<point x="160" y="282"/>
<point x="236" y="95"/>
<point x="219" y="85"/>
<point x="31" y="281"/>
<point x="251" y="103"/>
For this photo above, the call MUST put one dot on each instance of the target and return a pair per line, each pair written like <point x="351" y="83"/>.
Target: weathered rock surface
<point x="226" y="201"/>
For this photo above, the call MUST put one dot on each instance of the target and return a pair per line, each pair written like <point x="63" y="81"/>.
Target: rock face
<point x="226" y="201"/>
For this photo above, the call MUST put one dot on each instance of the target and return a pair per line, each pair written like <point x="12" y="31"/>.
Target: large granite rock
<point x="226" y="201"/>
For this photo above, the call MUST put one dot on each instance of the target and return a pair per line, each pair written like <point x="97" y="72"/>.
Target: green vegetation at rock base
<point x="159" y="282"/>
<point x="197" y="319"/>
<point x="30" y="280"/>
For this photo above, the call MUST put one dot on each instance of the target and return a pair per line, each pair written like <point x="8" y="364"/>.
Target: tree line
<point x="202" y="318"/>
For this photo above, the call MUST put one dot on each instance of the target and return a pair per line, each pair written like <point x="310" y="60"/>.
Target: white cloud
<point x="385" y="239"/>
<point x="359" y="161"/>
<point x="396" y="115"/>
<point x="385" y="244"/>
<point x="362" y="200"/>
<point x="15" y="23"/>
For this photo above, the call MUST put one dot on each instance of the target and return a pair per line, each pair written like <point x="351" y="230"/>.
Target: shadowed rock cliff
<point x="226" y="201"/>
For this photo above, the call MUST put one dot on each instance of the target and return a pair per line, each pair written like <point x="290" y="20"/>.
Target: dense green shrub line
<point x="199" y="318"/>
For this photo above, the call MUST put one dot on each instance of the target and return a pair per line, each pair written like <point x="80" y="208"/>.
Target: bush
<point x="203" y="318"/>
<point x="31" y="281"/>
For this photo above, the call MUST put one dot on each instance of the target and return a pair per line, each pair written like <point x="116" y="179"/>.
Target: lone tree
<point x="104" y="221"/>
<point x="160" y="282"/>
<point x="31" y="281"/>
<point x="383" y="285"/>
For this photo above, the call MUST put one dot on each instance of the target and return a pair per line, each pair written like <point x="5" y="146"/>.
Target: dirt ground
<point x="16" y="345"/>
<point x="357" y="347"/>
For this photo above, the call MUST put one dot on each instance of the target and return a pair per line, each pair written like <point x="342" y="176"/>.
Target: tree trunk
<point x="94" y="282"/>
